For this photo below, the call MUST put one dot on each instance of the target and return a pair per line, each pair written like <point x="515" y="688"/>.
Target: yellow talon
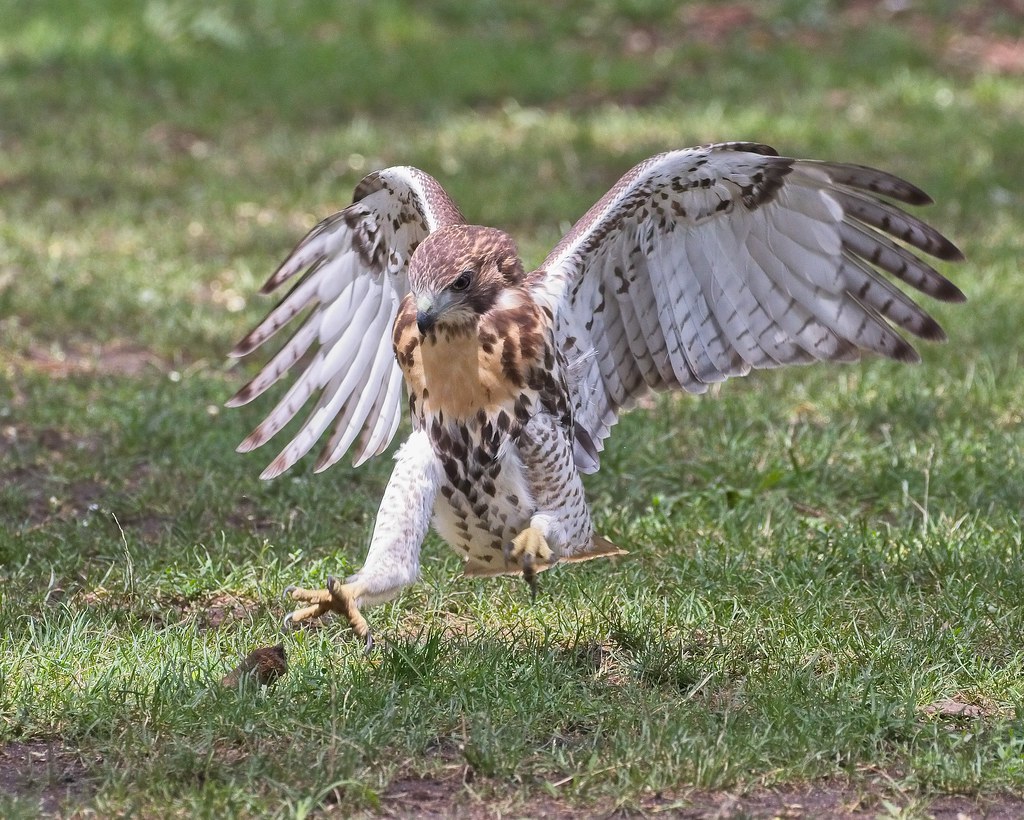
<point x="338" y="597"/>
<point x="529" y="549"/>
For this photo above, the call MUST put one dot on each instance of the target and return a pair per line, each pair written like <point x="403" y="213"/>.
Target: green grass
<point x="816" y="555"/>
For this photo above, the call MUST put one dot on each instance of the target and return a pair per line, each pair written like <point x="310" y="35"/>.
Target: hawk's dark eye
<point x="462" y="281"/>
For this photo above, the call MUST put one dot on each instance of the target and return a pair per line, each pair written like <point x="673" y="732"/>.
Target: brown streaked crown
<point x="490" y="257"/>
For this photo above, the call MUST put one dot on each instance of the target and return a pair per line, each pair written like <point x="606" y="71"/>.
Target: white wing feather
<point x="704" y="263"/>
<point x="355" y="266"/>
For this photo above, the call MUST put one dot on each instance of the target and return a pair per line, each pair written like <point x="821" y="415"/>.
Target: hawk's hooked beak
<point x="424" y="321"/>
<point x="426" y="314"/>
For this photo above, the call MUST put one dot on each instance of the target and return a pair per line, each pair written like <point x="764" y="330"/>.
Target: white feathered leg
<point x="393" y="560"/>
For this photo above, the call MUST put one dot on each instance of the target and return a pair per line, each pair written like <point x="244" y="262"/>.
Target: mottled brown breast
<point x="455" y="372"/>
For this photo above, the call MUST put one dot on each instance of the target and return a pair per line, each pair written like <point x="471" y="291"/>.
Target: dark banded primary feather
<point x="701" y="264"/>
<point x="354" y="268"/>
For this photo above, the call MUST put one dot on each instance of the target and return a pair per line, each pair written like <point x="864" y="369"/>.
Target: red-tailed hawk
<point x="698" y="265"/>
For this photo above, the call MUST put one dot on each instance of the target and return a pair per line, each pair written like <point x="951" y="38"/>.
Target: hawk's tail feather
<point x="600" y="547"/>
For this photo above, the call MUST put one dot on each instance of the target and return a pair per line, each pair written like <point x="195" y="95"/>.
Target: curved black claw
<point x="287" y="621"/>
<point x="368" y="648"/>
<point x="530" y="576"/>
<point x="288" y="590"/>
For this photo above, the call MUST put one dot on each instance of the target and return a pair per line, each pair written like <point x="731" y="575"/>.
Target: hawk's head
<point x="458" y="273"/>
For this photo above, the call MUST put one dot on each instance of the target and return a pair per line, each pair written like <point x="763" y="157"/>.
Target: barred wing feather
<point x="701" y="264"/>
<point x="353" y="268"/>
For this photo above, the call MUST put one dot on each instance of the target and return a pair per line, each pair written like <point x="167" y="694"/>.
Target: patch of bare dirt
<point x="119" y="358"/>
<point x="174" y="140"/>
<point x="717" y="22"/>
<point x="246" y="515"/>
<point x="214" y="612"/>
<point x="455" y="796"/>
<point x="15" y="439"/>
<point x="992" y="53"/>
<point x="959" y="708"/>
<point x="46" y="771"/>
<point x="980" y="36"/>
<point x="210" y="612"/>
<point x="47" y="496"/>
<point x="836" y="801"/>
<point x="46" y="499"/>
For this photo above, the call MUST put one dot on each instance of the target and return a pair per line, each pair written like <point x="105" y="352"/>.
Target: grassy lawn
<point x="823" y="602"/>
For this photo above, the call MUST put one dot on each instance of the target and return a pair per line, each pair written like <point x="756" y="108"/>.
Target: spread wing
<point x="703" y="263"/>
<point x="354" y="268"/>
